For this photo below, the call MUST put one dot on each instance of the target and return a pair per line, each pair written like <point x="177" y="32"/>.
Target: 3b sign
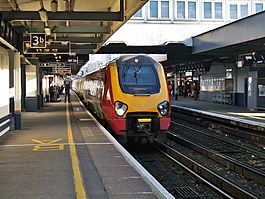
<point x="38" y="40"/>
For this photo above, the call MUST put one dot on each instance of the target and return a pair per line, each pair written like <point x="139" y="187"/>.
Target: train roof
<point x="132" y="59"/>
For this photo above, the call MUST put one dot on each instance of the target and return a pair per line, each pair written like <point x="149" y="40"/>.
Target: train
<point x="131" y="94"/>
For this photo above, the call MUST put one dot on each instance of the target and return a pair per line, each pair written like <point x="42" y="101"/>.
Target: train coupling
<point x="144" y="125"/>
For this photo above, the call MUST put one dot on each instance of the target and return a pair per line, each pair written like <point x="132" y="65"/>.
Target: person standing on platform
<point x="196" y="90"/>
<point x="67" y="88"/>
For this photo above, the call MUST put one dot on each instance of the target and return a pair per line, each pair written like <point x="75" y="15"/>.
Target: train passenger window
<point x="139" y="79"/>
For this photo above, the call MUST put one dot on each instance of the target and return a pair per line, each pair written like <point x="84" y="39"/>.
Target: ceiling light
<point x="43" y="15"/>
<point x="48" y="30"/>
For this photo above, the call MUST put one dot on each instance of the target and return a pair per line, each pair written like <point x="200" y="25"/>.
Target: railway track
<point x="247" y="132"/>
<point x="216" y="181"/>
<point x="238" y="164"/>
<point x="178" y="179"/>
<point x="164" y="164"/>
<point x="245" y="161"/>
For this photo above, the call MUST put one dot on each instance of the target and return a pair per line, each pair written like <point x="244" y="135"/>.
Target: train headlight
<point x="163" y="108"/>
<point x="120" y="108"/>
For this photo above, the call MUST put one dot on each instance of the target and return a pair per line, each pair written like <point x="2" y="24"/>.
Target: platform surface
<point x="223" y="110"/>
<point x="39" y="161"/>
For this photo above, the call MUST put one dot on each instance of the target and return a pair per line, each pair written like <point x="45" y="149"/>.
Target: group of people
<point x="185" y="88"/>
<point x="55" y="90"/>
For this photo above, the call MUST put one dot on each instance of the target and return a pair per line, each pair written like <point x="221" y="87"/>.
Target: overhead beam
<point x="69" y="29"/>
<point x="82" y="51"/>
<point x="63" y="15"/>
<point x="83" y="46"/>
<point x="84" y="40"/>
<point x="81" y="39"/>
<point x="81" y="29"/>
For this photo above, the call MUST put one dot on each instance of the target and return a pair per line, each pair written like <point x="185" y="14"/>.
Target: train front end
<point x="141" y="99"/>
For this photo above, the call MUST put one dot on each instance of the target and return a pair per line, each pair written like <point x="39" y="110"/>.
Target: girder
<point x="87" y="25"/>
<point x="62" y="16"/>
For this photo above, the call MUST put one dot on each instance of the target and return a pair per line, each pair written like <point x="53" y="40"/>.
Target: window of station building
<point x="191" y="10"/>
<point x="138" y="14"/>
<point x="243" y="10"/>
<point x="164" y="9"/>
<point x="181" y="9"/>
<point x="218" y="10"/>
<point x="258" y="7"/>
<point x="233" y="11"/>
<point x="154" y="9"/>
<point x="207" y="10"/>
<point x="186" y="9"/>
<point x="159" y="9"/>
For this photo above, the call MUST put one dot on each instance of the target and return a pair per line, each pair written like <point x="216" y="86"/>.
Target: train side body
<point x="131" y="94"/>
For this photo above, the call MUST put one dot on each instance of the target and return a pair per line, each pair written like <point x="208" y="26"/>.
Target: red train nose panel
<point x="164" y="123"/>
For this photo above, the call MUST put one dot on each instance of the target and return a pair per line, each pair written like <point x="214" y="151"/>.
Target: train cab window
<point x="139" y="79"/>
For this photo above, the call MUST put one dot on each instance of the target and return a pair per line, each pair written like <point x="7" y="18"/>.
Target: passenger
<point x="185" y="89"/>
<point x="67" y="88"/>
<point x="173" y="88"/>
<point x="181" y="88"/>
<point x="192" y="88"/>
<point x="169" y="87"/>
<point x="196" y="91"/>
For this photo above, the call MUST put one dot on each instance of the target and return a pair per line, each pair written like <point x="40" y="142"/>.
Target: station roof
<point x="246" y="35"/>
<point x="87" y="24"/>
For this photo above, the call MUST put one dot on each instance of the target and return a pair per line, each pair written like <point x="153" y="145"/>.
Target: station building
<point x="226" y="76"/>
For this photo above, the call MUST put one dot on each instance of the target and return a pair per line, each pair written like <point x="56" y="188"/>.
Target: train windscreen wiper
<point x="136" y="73"/>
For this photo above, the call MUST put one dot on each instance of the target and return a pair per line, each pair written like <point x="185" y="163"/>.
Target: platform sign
<point x="37" y="40"/>
<point x="58" y="47"/>
<point x="56" y="67"/>
<point x="51" y="64"/>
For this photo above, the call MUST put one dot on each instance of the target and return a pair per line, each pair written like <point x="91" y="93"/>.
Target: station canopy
<point x="82" y="26"/>
<point x="242" y="37"/>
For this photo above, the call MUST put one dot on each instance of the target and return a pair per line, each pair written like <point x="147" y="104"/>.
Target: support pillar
<point x="17" y="85"/>
<point x="31" y="88"/>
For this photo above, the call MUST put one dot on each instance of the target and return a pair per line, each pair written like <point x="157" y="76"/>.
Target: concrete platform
<point x="230" y="112"/>
<point x="67" y="154"/>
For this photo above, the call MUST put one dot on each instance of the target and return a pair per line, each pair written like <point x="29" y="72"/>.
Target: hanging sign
<point x="37" y="40"/>
<point x="58" y="47"/>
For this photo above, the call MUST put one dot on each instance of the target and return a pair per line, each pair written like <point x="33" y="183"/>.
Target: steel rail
<point x="232" y="164"/>
<point x="216" y="180"/>
<point x="214" y="137"/>
<point x="255" y="138"/>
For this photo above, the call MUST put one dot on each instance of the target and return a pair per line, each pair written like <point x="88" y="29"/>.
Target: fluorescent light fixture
<point x="43" y="15"/>
<point x="48" y="30"/>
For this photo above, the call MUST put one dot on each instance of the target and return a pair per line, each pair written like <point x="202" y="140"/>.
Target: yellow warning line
<point x="79" y="187"/>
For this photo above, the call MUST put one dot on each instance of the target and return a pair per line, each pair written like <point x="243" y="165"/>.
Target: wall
<point x="212" y="83"/>
<point x="158" y="33"/>
<point x="4" y="83"/>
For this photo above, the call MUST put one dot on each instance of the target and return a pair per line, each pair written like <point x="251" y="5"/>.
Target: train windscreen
<point x="139" y="79"/>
